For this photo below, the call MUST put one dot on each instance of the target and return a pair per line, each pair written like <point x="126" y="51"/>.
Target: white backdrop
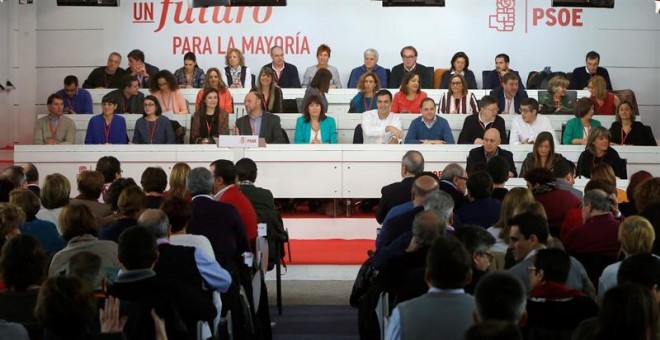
<point x="71" y="40"/>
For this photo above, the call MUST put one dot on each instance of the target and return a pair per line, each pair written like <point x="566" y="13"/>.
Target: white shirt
<point x="521" y="130"/>
<point x="373" y="128"/>
<point x="198" y="241"/>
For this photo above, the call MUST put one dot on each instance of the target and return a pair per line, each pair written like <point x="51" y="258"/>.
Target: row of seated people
<point x="236" y="75"/>
<point x="494" y="230"/>
<point x="175" y="248"/>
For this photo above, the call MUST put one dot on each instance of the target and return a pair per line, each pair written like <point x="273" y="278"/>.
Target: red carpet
<point x="331" y="251"/>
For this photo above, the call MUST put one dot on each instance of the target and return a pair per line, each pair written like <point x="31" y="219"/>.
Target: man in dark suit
<point x="32" y="178"/>
<point x="495" y="78"/>
<point x="396" y="193"/>
<point x="490" y="149"/>
<point x="581" y="75"/>
<point x="138" y="67"/>
<point x="510" y="95"/>
<point x="258" y="121"/>
<point x="287" y="75"/>
<point x="409" y="56"/>
<point x="219" y="222"/>
<point x="454" y="182"/>
<point x="128" y="97"/>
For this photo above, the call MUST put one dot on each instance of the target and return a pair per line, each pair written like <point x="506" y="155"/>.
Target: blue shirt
<point x="360" y="70"/>
<point x="81" y="102"/>
<point x="46" y="233"/>
<point x="99" y="133"/>
<point x="418" y="131"/>
<point x="255" y="123"/>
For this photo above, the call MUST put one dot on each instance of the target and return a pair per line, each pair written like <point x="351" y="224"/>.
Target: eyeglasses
<point x="162" y="84"/>
<point x="525" y="110"/>
<point x="488" y="255"/>
<point x="461" y="177"/>
<point x="408" y="56"/>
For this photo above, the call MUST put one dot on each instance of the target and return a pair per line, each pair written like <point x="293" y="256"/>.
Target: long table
<point x="298" y="171"/>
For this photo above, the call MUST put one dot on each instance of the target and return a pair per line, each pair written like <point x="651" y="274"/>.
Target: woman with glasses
<point x="459" y="66"/>
<point x="556" y="99"/>
<point x="236" y="75"/>
<point x="458" y="99"/>
<point x="166" y="89"/>
<point x="153" y="127"/>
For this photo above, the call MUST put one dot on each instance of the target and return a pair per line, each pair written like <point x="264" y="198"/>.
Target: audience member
<point x="16" y="175"/>
<point x="154" y="182"/>
<point x="526" y="127"/>
<point x="267" y="86"/>
<point x="147" y="129"/>
<point x="110" y="168"/>
<point x="454" y="182"/>
<point x="556" y="100"/>
<point x="132" y="201"/>
<point x="76" y="100"/>
<point x="554" y="308"/>
<point x="178" y="212"/>
<point x="213" y="80"/>
<point x="543" y="154"/>
<point x="87" y="266"/>
<point x="604" y="171"/>
<point x="6" y="186"/>
<point x="599" y="233"/>
<point x="54" y="128"/>
<point x="647" y="202"/>
<point x="500" y="296"/>
<point x="32" y="177"/>
<point x="79" y="233"/>
<point x="412" y="164"/>
<point x="573" y="218"/>
<point x="564" y="173"/>
<point x="314" y="126"/>
<point x="108" y="77"/>
<point x="259" y="122"/>
<point x="164" y="87"/>
<point x="210" y="120"/>
<point x="555" y="201"/>
<point x="598" y="151"/>
<point x="365" y="99"/>
<point x="501" y="229"/>
<point x="482" y="210"/>
<point x="409" y="64"/>
<point x="190" y="75"/>
<point x="11" y="220"/>
<point x="605" y="102"/>
<point x="460" y="64"/>
<point x="495" y="78"/>
<point x="90" y="187"/>
<point x="319" y="86"/>
<point x="490" y="148"/>
<point x="458" y="99"/>
<point x="370" y="65"/>
<point x="626" y="130"/>
<point x="511" y="94"/>
<point x="286" y="75"/>
<point x="128" y="97"/>
<point x="429" y="128"/>
<point x="107" y="127"/>
<point x="446" y="308"/>
<point x="322" y="57"/>
<point x="581" y="75"/>
<point x="478" y="242"/>
<point x="475" y="125"/>
<point x="629" y="208"/>
<point x="138" y="67"/>
<point x="493" y="330"/>
<point x="380" y="126"/>
<point x="498" y="169"/>
<point x="43" y="231"/>
<point x="578" y="129"/>
<point x="410" y="95"/>
<point x="54" y="196"/>
<point x="112" y="197"/>
<point x="177" y="181"/>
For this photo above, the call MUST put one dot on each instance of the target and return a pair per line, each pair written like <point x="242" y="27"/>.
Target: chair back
<point x="437" y="77"/>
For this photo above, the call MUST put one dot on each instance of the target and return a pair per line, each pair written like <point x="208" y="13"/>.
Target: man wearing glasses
<point x="409" y="57"/>
<point x="529" y="124"/>
<point x="129" y="98"/>
<point x="475" y="125"/>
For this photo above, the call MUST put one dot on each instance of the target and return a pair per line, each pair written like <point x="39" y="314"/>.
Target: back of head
<point x="555" y="264"/>
<point x="563" y="167"/>
<point x="199" y="181"/>
<point x="154" y="179"/>
<point x="110" y="168"/>
<point x="56" y="191"/>
<point x="531" y="224"/>
<point x="539" y="176"/>
<point x="137" y="248"/>
<point x="480" y="185"/>
<point x="132" y="200"/>
<point x="11" y="219"/>
<point x="636" y="235"/>
<point x="224" y="169"/>
<point x="603" y="171"/>
<point x="31" y="173"/>
<point x="77" y="220"/>
<point x="178" y="212"/>
<point x="600" y="184"/>
<point x="90" y="184"/>
<point x="448" y="264"/>
<point x="642" y="269"/>
<point x="494" y="330"/>
<point x="413" y="161"/>
<point x="26" y="200"/>
<point x="156" y="221"/>
<point x="115" y="189"/>
<point x="246" y="170"/>
<point x="423" y="185"/>
<point x="178" y="179"/>
<point x="646" y="192"/>
<point x="426" y="227"/>
<point x="6" y="186"/>
<point x="598" y="199"/>
<point x="23" y="263"/>
<point x="474" y="238"/>
<point x="441" y="202"/>
<point x="500" y="296"/>
<point x="636" y="178"/>
<point x="628" y="311"/>
<point x="15" y="174"/>
<point x="66" y="306"/>
<point x="498" y="168"/>
<point x="451" y="171"/>
<point x="87" y="266"/>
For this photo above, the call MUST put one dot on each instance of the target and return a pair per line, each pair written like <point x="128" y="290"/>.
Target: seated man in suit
<point x="495" y="78"/>
<point x="409" y="58"/>
<point x="138" y="67"/>
<point x="476" y="124"/>
<point x="32" y="178"/>
<point x="286" y="75"/>
<point x="128" y="96"/>
<point x="510" y="94"/>
<point x="108" y="76"/>
<point x="259" y="122"/>
<point x="490" y="149"/>
<point x="446" y="309"/>
<point x="581" y="75"/>
<point x="412" y="164"/>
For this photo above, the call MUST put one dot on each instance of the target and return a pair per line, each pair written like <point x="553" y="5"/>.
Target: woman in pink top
<point x="165" y="87"/>
<point x="410" y="95"/>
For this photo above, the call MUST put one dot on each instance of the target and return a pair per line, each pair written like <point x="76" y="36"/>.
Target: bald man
<point x="259" y="122"/>
<point x="478" y="157"/>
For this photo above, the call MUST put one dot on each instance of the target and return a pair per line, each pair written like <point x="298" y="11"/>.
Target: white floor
<point x="331" y="228"/>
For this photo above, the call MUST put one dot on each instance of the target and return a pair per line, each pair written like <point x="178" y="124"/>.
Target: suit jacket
<point x="289" y="78"/>
<point x="264" y="204"/>
<point x="271" y="130"/>
<point x="222" y="225"/>
<point x="397" y="226"/>
<point x="493" y="80"/>
<point x="394" y="194"/>
<point x="328" y="131"/>
<point x="459" y="198"/>
<point x="469" y="78"/>
<point x="397" y="75"/>
<point x="478" y="155"/>
<point x="132" y="105"/>
<point x="498" y="93"/>
<point x="580" y="78"/>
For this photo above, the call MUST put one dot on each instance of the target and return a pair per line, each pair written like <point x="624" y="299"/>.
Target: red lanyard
<point x="106" y="130"/>
<point x="53" y="133"/>
<point x="152" y="132"/>
<point x="209" y="126"/>
<point x="624" y="135"/>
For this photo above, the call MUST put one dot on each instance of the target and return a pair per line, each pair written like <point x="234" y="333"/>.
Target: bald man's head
<point x="422" y="186"/>
<point x="491" y="140"/>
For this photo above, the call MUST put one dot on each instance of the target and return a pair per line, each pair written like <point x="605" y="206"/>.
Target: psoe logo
<point x="504" y="19"/>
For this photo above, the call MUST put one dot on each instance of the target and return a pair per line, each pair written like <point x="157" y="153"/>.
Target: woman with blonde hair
<point x="556" y="99"/>
<point x="598" y="150"/>
<point x="177" y="182"/>
<point x="500" y="230"/>
<point x="605" y="172"/>
<point x="236" y="74"/>
<point x="636" y="235"/>
<point x="606" y="102"/>
<point x="55" y="195"/>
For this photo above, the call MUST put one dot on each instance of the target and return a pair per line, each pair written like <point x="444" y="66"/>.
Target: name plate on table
<point x="231" y="141"/>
